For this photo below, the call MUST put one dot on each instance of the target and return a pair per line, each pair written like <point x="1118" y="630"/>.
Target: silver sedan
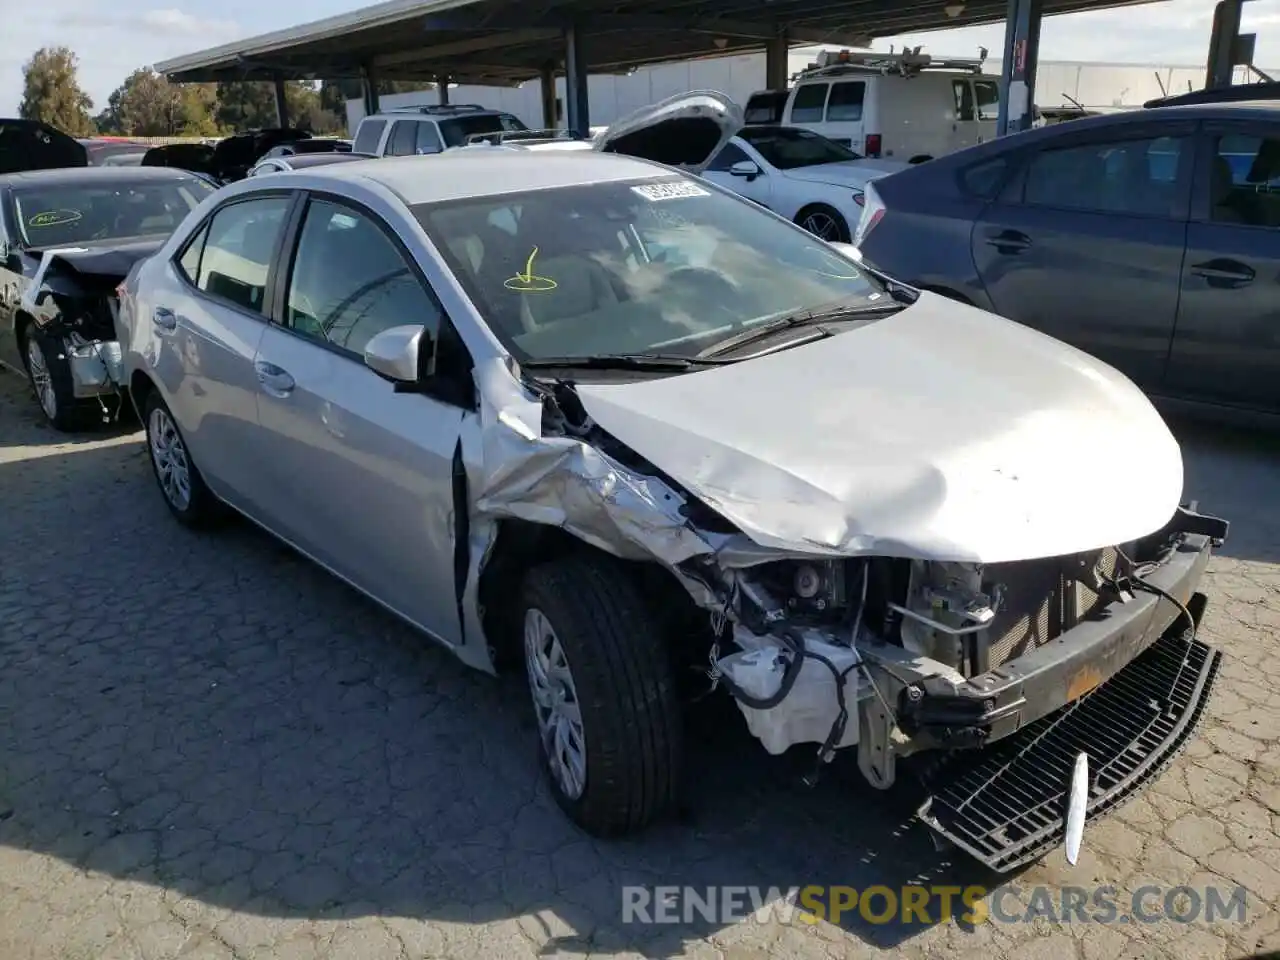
<point x="595" y="415"/>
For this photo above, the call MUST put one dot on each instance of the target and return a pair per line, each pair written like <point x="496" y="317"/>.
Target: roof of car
<point x="457" y="174"/>
<point x="1238" y="110"/>
<point x="65" y="176"/>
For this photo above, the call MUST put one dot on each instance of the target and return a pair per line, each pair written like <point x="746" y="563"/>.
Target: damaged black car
<point x="68" y="237"/>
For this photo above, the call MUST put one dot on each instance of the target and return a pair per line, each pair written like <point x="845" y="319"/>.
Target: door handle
<point x="1010" y="241"/>
<point x="273" y="380"/>
<point x="1224" y="273"/>
<point x="165" y="319"/>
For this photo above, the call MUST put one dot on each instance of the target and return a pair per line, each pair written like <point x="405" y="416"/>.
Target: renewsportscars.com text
<point x="931" y="904"/>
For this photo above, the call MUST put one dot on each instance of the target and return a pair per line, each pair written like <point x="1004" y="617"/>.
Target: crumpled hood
<point x="854" y="173"/>
<point x="942" y="432"/>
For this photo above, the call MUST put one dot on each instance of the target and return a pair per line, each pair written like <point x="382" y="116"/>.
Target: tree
<point x="245" y="105"/>
<point x="51" y="92"/>
<point x="148" y="105"/>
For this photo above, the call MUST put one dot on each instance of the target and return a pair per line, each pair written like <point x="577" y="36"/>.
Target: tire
<point x="49" y="376"/>
<point x="191" y="502"/>
<point x="820" y="217"/>
<point x="620" y="678"/>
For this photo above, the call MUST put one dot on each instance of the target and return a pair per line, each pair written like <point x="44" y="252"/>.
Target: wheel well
<point x="920" y="158"/>
<point x="521" y="545"/>
<point x="21" y="321"/>
<point x="140" y="387"/>
<point x="826" y="207"/>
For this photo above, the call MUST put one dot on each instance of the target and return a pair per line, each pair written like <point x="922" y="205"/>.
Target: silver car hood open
<point x="941" y="432"/>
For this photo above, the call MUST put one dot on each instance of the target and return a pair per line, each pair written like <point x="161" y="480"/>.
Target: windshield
<point x="666" y="265"/>
<point x="70" y="213"/>
<point x="457" y="130"/>
<point x="790" y="147"/>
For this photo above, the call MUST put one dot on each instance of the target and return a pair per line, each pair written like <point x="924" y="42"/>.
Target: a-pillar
<point x="577" y="109"/>
<point x="282" y="105"/>
<point x="1222" y="44"/>
<point x="548" y="81"/>
<point x="1018" y="69"/>
<point x="776" y="58"/>
<point x="369" y="83"/>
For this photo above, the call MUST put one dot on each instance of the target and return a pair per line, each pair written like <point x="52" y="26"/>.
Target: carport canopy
<point x="509" y="42"/>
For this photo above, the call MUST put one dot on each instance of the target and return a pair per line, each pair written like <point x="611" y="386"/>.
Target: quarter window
<point x="987" y="99"/>
<point x="238" y="248"/>
<point x="350" y="282"/>
<point x="189" y="262"/>
<point x="428" y="138"/>
<point x="845" y="103"/>
<point x="368" y="135"/>
<point x="1132" y="177"/>
<point x="809" y="103"/>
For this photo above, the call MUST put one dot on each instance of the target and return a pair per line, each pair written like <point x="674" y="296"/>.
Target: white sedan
<point x="800" y="175"/>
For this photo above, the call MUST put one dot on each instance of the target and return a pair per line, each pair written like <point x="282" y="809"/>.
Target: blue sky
<point x="114" y="37"/>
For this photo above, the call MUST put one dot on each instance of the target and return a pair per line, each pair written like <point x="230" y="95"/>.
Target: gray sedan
<point x="593" y="414"/>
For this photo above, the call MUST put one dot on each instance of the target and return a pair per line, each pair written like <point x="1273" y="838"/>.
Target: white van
<point x="904" y="106"/>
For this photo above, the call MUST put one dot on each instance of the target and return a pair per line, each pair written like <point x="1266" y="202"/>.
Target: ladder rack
<point x="908" y="63"/>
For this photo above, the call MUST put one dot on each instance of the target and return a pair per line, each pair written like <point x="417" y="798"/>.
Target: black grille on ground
<point x="1006" y="805"/>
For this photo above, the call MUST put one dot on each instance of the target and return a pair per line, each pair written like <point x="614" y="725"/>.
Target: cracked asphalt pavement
<point x="209" y="749"/>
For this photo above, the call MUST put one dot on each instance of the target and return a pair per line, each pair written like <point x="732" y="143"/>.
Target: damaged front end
<point x="978" y="667"/>
<point x="73" y="300"/>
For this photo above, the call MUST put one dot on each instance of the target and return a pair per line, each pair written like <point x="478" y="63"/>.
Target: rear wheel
<point x="608" y="719"/>
<point x="183" y="489"/>
<point x="825" y="223"/>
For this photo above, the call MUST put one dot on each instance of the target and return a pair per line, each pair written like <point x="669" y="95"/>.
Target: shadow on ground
<point x="214" y="715"/>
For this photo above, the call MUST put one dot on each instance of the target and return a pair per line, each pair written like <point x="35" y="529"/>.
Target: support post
<point x="577" y="109"/>
<point x="442" y="89"/>
<point x="548" y="80"/>
<point x="1220" y="69"/>
<point x="776" y="57"/>
<point x="1018" y="68"/>
<point x="282" y="104"/>
<point x="369" y="81"/>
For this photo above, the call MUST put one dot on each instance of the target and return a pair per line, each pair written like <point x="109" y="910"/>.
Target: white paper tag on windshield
<point x="654" y="192"/>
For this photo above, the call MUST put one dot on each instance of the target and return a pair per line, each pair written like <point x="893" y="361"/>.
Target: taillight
<point x="872" y="145"/>
<point x="859" y="199"/>
<point x="873" y="211"/>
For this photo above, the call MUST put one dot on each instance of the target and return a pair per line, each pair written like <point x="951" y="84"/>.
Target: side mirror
<point x="403" y="355"/>
<point x="745" y="168"/>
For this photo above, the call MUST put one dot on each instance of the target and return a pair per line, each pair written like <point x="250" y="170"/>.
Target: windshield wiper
<point x="621" y="361"/>
<point x="791" y="321"/>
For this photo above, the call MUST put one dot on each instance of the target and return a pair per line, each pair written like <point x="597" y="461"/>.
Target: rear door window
<point x="403" y="139"/>
<point x="1133" y="177"/>
<point x="845" y="103"/>
<point x="766" y="107"/>
<point x="237" y="255"/>
<point x="810" y="103"/>
<point x="368" y="135"/>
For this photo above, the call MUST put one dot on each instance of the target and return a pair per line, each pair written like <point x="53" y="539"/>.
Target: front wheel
<point x="183" y="489"/>
<point x="49" y="373"/>
<point x="608" y="719"/>
<point x="824" y="222"/>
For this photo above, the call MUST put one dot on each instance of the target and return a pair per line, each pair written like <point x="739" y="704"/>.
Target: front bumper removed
<point x="1006" y="805"/>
